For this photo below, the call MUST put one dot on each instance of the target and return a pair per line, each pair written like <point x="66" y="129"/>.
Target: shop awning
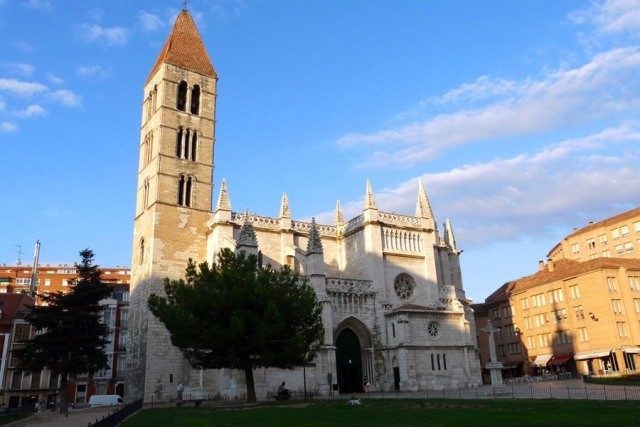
<point x="560" y="359"/>
<point x="633" y="350"/>
<point x="541" y="360"/>
<point x="591" y="354"/>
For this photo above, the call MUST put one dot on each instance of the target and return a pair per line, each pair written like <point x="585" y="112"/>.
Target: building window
<point x="584" y="337"/>
<point x="619" y="250"/>
<point x="403" y="285"/>
<point x="579" y="311"/>
<point x="606" y="254"/>
<point x="591" y="243"/>
<point x="612" y="284"/>
<point x="195" y="99"/>
<point x="628" y="247"/>
<point x="624" y="230"/>
<point x="433" y="329"/>
<point x="559" y="315"/>
<point x="444" y="361"/>
<point x="194" y="146"/>
<point x="184" y="191"/>
<point x="528" y="324"/>
<point x="622" y="329"/>
<point x="524" y="302"/>
<point x="16" y="380"/>
<point x="636" y="227"/>
<point x="496" y="313"/>
<point x="636" y="304"/>
<point x="575" y="248"/>
<point x="433" y="365"/>
<point x="507" y="312"/>
<point x="501" y="350"/>
<point x="617" y="306"/>
<point x="603" y="239"/>
<point x="47" y="282"/>
<point x="555" y="295"/>
<point x="575" y="291"/>
<point x="22" y="332"/>
<point x="539" y="300"/>
<point x="532" y="342"/>
<point x="182" y="96"/>
<point x="141" y="253"/>
<point x="145" y="194"/>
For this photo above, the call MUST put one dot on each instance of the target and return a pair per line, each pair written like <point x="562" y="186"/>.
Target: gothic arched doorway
<point x="120" y="390"/>
<point x="349" y="362"/>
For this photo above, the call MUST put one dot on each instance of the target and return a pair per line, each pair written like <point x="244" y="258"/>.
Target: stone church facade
<point x="394" y="307"/>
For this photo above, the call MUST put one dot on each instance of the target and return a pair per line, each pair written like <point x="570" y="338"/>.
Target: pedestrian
<point x="180" y="391"/>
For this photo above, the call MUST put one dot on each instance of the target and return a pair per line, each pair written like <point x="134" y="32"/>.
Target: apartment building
<point x="52" y="278"/>
<point x="615" y="237"/>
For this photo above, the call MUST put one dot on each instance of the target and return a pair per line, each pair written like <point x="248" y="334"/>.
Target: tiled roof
<point x="605" y="222"/>
<point x="184" y="48"/>
<point x="12" y="304"/>
<point x="564" y="268"/>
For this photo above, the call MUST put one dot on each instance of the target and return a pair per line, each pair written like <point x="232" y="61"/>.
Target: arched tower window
<point x="195" y="100"/>
<point x="179" y="143"/>
<point x="404" y="286"/>
<point x="184" y="191"/>
<point x="145" y="196"/>
<point x="141" y="251"/>
<point x="182" y="96"/>
<point x="194" y="146"/>
<point x="187" y="139"/>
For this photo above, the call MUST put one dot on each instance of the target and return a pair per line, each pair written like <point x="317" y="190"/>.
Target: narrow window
<point x="194" y="145"/>
<point x="145" y="196"/>
<point x="433" y="366"/>
<point x="154" y="99"/>
<point x="393" y="330"/>
<point x="182" y="96"/>
<point x="186" y="144"/>
<point x="150" y="148"/>
<point x="444" y="361"/>
<point x="179" y="143"/>
<point x="187" y="196"/>
<point x="195" y="100"/>
<point x="438" y="361"/>
<point x="181" y="190"/>
<point x="141" y="255"/>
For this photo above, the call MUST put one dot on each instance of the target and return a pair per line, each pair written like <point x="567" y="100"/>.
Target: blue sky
<point x="521" y="118"/>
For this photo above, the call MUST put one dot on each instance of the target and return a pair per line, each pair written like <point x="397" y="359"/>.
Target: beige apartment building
<point x="575" y="314"/>
<point x="617" y="237"/>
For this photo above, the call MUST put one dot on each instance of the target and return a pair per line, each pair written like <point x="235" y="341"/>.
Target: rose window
<point x="403" y="286"/>
<point x="433" y="329"/>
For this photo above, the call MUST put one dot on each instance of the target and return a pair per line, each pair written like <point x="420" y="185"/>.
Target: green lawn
<point x="402" y="412"/>
<point x="6" y="419"/>
<point x="625" y="380"/>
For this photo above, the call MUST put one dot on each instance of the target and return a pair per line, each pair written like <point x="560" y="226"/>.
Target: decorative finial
<point x="223" y="198"/>
<point x="247" y="233"/>
<point x="314" y="245"/>
<point x="338" y="217"/>
<point x="185" y="4"/>
<point x="284" y="207"/>
<point x="369" y="199"/>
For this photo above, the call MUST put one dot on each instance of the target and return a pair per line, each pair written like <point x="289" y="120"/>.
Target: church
<point x="395" y="312"/>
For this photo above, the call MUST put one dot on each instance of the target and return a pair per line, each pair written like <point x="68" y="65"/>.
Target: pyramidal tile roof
<point x="184" y="48"/>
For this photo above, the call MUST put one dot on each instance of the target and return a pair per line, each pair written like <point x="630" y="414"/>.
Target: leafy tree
<point x="70" y="336"/>
<point x="233" y="315"/>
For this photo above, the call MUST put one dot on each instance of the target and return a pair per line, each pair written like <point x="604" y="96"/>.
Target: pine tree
<point x="70" y="336"/>
<point x="233" y="315"/>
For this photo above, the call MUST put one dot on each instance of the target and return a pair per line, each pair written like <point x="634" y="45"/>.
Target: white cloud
<point x="611" y="16"/>
<point x="150" y="22"/>
<point x="109" y="36"/>
<point x="31" y="111"/>
<point x="607" y="85"/>
<point x="65" y="97"/>
<point x="43" y="5"/>
<point x="8" y="127"/>
<point x="92" y="71"/>
<point x="21" y="88"/>
<point x="19" y="68"/>
<point x="55" y="79"/>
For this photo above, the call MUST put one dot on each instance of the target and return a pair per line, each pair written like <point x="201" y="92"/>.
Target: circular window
<point x="403" y="286"/>
<point x="433" y="329"/>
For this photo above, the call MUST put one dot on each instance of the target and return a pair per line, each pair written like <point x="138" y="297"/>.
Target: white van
<point x="105" y="400"/>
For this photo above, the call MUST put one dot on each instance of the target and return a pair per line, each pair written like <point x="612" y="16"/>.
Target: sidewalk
<point x="75" y="418"/>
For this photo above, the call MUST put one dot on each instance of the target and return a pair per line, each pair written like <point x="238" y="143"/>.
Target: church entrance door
<point x="349" y="362"/>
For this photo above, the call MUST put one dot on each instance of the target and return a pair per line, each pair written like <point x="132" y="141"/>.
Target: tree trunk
<point x="64" y="409"/>
<point x="251" y="389"/>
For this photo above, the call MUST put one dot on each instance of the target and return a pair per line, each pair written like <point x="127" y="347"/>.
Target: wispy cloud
<point x="151" y="22"/>
<point x="607" y="85"/>
<point x="114" y="36"/>
<point x="92" y="71"/>
<point x="20" y="69"/>
<point x="65" y="97"/>
<point x="21" y="88"/>
<point x="228" y="8"/>
<point x="8" y="127"/>
<point x="611" y="16"/>
<point x="55" y="79"/>
<point x="42" y="5"/>
<point x="31" y="111"/>
<point x="529" y="194"/>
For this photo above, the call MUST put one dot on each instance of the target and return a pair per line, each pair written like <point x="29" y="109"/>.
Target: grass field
<point x="6" y="419"/>
<point x="402" y="412"/>
<point x="624" y="380"/>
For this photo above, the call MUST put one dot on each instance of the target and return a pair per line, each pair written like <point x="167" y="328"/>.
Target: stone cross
<point x="492" y="342"/>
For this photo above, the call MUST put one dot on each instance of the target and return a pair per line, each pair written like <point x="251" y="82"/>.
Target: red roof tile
<point x="184" y="48"/>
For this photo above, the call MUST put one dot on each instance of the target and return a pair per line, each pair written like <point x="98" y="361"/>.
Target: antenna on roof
<point x="20" y="253"/>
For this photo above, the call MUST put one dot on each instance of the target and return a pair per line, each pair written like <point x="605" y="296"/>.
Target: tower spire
<point x="369" y="199"/>
<point x="184" y="48"/>
<point x="284" y="207"/>
<point x="247" y="238"/>
<point x="449" y="239"/>
<point x="423" y="207"/>
<point x="338" y="218"/>
<point x="223" y="198"/>
<point x="314" y="245"/>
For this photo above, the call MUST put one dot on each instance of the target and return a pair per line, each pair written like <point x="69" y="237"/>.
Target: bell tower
<point x="174" y="198"/>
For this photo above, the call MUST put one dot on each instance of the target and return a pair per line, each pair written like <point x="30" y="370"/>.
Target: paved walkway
<point x="75" y="418"/>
